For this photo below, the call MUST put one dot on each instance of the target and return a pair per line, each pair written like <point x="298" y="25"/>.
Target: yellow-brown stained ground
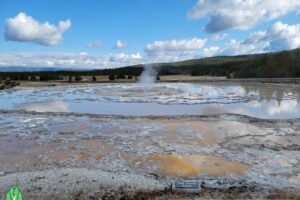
<point x="82" y="156"/>
<point x="96" y="145"/>
<point x="23" y="158"/>
<point x="209" y="131"/>
<point x="59" y="155"/>
<point x="97" y="156"/>
<point x="192" y="165"/>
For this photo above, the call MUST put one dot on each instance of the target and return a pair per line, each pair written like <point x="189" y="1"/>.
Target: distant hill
<point x="272" y="65"/>
<point x="210" y="60"/>
<point x="266" y="65"/>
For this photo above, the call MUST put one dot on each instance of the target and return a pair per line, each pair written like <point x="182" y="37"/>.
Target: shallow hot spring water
<point x="247" y="132"/>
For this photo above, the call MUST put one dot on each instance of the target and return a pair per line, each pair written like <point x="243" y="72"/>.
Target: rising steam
<point x="148" y="78"/>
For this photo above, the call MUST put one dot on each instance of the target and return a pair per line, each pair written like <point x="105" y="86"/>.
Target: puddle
<point x="192" y="165"/>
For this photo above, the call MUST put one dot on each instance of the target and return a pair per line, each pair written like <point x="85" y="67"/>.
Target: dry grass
<point x="189" y="78"/>
<point x="104" y="79"/>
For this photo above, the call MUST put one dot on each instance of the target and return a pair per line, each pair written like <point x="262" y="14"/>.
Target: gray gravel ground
<point x="68" y="183"/>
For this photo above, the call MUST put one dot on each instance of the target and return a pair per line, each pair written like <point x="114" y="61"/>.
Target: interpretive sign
<point x="186" y="186"/>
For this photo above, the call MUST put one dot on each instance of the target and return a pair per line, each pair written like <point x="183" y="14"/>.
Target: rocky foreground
<point x="72" y="183"/>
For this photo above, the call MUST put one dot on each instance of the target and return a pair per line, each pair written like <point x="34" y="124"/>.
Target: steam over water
<point x="148" y="78"/>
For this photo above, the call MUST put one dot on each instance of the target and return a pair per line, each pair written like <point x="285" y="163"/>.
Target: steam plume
<point x="148" y="78"/>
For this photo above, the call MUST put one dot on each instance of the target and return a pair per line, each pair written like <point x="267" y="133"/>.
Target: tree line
<point x="270" y="65"/>
<point x="118" y="73"/>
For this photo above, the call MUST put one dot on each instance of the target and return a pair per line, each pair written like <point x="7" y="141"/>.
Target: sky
<point x="102" y="34"/>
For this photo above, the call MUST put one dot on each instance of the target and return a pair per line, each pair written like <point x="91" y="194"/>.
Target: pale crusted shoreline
<point x="169" y="79"/>
<point x="82" y="183"/>
<point x="67" y="183"/>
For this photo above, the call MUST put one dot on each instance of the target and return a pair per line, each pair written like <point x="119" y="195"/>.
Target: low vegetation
<point x="7" y="84"/>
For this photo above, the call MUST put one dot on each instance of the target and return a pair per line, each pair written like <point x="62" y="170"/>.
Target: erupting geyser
<point x="148" y="78"/>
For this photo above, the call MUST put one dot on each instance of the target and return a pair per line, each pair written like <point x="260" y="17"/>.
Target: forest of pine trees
<point x="270" y="65"/>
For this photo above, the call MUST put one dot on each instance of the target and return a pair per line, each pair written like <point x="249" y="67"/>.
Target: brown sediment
<point x="207" y="129"/>
<point x="125" y="157"/>
<point x="114" y="130"/>
<point x="174" y="165"/>
<point x="82" y="156"/>
<point x="97" y="156"/>
<point x="97" y="145"/>
<point x="12" y="152"/>
<point x="163" y="121"/>
<point x="97" y="120"/>
<point x="69" y="127"/>
<point x="23" y="158"/>
<point x="192" y="165"/>
<point x="59" y="155"/>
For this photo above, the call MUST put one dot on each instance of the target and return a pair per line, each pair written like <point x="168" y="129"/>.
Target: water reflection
<point x="53" y="106"/>
<point x="256" y="100"/>
<point x="273" y="107"/>
<point x="277" y="92"/>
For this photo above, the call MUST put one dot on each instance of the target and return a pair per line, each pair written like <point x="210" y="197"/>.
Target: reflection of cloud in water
<point x="272" y="107"/>
<point x="208" y="110"/>
<point x="269" y="109"/>
<point x="285" y="106"/>
<point x="53" y="106"/>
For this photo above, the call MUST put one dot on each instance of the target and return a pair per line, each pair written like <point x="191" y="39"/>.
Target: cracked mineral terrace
<point x="240" y="140"/>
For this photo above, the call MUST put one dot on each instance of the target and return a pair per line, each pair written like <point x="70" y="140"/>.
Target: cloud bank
<point x="171" y="47"/>
<point x="61" y="60"/>
<point x="23" y="28"/>
<point x="278" y="37"/>
<point x="240" y="14"/>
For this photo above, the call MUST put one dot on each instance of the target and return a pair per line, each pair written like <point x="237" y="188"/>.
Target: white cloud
<point x="95" y="44"/>
<point x="63" y="60"/>
<point x="83" y="53"/>
<point x="171" y="47"/>
<point x="232" y="47"/>
<point x="23" y="28"/>
<point x="278" y="37"/>
<point x="209" y="52"/>
<point x="121" y="57"/>
<point x="219" y="36"/>
<point x="120" y="44"/>
<point x="240" y="14"/>
<point x="81" y="60"/>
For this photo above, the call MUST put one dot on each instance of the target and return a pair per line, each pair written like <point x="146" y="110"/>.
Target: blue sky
<point x="105" y="34"/>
